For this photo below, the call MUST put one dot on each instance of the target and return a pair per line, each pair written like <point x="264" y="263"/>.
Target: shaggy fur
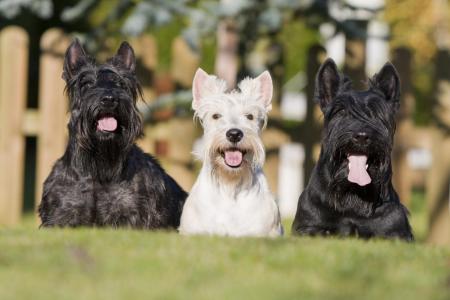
<point x="103" y="178"/>
<point x="229" y="199"/>
<point x="356" y="123"/>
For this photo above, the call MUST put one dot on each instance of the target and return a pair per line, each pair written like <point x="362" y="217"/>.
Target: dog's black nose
<point x="109" y="101"/>
<point x="361" y="138"/>
<point x="234" y="135"/>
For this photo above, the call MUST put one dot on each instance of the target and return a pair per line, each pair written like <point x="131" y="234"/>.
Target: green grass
<point x="418" y="215"/>
<point x="126" y="264"/>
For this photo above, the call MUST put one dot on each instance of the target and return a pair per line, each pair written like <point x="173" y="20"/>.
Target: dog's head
<point x="102" y="98"/>
<point x="359" y="125"/>
<point x="232" y="121"/>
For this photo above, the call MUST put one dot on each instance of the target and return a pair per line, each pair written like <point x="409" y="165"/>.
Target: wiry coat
<point x="103" y="178"/>
<point x="355" y="122"/>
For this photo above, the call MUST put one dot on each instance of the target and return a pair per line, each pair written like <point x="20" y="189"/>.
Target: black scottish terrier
<point x="103" y="178"/>
<point x="350" y="190"/>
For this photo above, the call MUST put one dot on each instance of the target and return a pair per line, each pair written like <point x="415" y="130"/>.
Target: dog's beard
<point x="234" y="165"/>
<point x="102" y="127"/>
<point x="103" y="152"/>
<point x="346" y="195"/>
<point x="230" y="175"/>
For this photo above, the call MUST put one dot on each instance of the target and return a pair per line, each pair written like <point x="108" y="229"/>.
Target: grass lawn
<point x="125" y="264"/>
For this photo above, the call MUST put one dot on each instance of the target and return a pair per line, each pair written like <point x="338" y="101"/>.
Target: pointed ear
<point x="126" y="56"/>
<point x="266" y="89"/>
<point x="199" y="81"/>
<point x="204" y="85"/>
<point x="388" y="82"/>
<point x="327" y="83"/>
<point x="74" y="59"/>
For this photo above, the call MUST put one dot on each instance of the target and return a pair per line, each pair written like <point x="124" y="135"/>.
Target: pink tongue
<point x="107" y="124"/>
<point x="233" y="158"/>
<point x="357" y="170"/>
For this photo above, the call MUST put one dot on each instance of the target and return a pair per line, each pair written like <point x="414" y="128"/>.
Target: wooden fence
<point x="17" y="122"/>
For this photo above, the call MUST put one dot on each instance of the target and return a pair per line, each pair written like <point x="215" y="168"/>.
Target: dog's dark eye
<point x="216" y="116"/>
<point x="250" y="117"/>
<point x="340" y="113"/>
<point x="86" y="85"/>
<point x="84" y="81"/>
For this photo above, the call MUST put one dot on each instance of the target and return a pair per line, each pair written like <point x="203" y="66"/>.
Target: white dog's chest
<point x="235" y="215"/>
<point x="250" y="214"/>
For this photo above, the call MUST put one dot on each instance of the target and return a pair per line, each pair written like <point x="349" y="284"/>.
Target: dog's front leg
<point x="313" y="231"/>
<point x="310" y="218"/>
<point x="66" y="201"/>
<point x="346" y="228"/>
<point x="389" y="221"/>
<point x="57" y="210"/>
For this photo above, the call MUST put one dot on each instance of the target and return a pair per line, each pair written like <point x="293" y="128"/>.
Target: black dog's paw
<point x="346" y="229"/>
<point x="312" y="231"/>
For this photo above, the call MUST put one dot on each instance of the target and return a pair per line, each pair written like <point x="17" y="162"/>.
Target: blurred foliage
<point x="413" y="24"/>
<point x="146" y="13"/>
<point x="297" y="37"/>
<point x="196" y="20"/>
<point x="164" y="36"/>
<point x="102" y="24"/>
<point x="423" y="76"/>
<point x="12" y="8"/>
<point x="208" y="54"/>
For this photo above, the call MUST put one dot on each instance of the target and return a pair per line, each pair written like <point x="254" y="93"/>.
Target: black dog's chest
<point x="356" y="203"/>
<point x="116" y="205"/>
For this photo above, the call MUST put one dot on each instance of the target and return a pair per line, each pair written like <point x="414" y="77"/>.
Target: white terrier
<point x="231" y="196"/>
